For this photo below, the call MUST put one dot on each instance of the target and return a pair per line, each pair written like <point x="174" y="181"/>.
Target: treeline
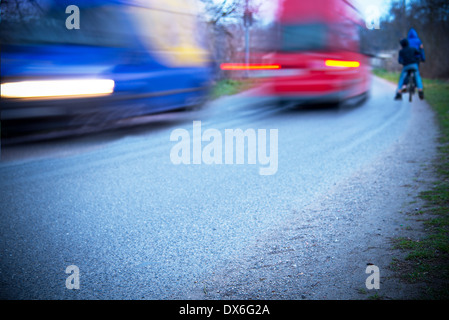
<point x="430" y="18"/>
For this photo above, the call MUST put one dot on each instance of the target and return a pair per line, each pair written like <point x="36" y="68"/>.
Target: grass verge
<point x="427" y="259"/>
<point x="226" y="87"/>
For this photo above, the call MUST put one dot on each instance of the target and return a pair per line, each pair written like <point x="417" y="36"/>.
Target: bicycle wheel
<point x="411" y="86"/>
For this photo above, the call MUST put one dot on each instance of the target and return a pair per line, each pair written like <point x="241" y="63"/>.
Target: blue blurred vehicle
<point x="127" y="58"/>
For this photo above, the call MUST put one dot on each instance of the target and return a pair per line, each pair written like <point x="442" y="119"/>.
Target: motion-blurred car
<point x="318" y="51"/>
<point x="315" y="57"/>
<point x="127" y="58"/>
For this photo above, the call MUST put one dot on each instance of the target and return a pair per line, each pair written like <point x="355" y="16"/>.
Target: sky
<point x="364" y="5"/>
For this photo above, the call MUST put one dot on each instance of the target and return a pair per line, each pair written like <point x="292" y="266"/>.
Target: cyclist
<point x="409" y="57"/>
<point x="415" y="42"/>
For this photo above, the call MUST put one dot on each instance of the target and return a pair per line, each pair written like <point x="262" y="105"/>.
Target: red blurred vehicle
<point x="317" y="56"/>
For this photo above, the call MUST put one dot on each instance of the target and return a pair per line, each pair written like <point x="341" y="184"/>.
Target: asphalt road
<point x="140" y="227"/>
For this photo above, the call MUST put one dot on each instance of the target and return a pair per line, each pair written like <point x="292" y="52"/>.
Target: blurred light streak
<point x="342" y="64"/>
<point x="57" y="88"/>
<point x="242" y="66"/>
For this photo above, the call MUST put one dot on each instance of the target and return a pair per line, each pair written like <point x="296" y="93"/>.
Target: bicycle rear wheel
<point x="411" y="85"/>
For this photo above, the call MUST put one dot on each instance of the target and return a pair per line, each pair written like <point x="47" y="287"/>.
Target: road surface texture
<point x="140" y="227"/>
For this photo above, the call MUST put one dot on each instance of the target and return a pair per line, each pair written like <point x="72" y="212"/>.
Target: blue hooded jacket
<point x="415" y="42"/>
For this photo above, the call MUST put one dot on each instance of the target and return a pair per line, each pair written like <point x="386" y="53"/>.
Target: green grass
<point x="229" y="87"/>
<point x="427" y="259"/>
<point x="376" y="296"/>
<point x="387" y="75"/>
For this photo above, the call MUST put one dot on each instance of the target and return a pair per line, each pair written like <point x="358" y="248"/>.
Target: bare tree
<point x="225" y="20"/>
<point x="218" y="12"/>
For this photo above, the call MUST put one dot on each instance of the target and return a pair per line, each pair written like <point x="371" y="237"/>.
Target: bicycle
<point x="411" y="86"/>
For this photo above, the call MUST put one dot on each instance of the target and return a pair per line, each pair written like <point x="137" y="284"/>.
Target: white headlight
<point x="57" y="88"/>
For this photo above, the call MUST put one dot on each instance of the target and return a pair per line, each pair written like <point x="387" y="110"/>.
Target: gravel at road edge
<point x="362" y="214"/>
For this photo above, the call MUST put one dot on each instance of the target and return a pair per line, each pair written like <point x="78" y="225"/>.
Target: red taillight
<point x="243" y="66"/>
<point x="342" y="64"/>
